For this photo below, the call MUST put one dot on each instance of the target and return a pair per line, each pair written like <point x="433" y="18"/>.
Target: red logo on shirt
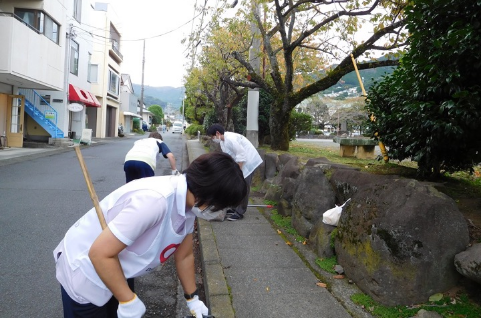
<point x="167" y="252"/>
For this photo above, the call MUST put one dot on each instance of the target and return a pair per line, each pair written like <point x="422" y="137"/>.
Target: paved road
<point x="39" y="200"/>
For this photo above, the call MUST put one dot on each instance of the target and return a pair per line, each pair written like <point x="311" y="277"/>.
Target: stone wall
<point x="396" y="238"/>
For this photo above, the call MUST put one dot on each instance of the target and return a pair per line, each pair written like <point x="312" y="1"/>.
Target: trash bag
<point x="332" y="216"/>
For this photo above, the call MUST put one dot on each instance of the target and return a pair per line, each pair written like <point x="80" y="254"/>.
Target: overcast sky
<point x="165" y="56"/>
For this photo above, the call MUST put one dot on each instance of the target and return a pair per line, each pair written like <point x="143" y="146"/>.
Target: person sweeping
<point x="148" y="221"/>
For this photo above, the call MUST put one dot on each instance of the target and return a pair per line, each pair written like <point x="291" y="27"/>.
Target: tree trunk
<point x="279" y="126"/>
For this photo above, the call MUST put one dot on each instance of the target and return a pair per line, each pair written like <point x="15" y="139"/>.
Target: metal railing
<point x="42" y="106"/>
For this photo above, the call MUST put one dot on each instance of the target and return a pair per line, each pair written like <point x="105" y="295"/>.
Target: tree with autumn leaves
<point x="306" y="47"/>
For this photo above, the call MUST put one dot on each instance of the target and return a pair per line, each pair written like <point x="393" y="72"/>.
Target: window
<point x="77" y="10"/>
<point x="89" y="69"/>
<point x="45" y="100"/>
<point x="40" y="22"/>
<point x="30" y="17"/>
<point x="74" y="56"/>
<point x="113" y="83"/>
<point x="93" y="73"/>
<point x="51" y="29"/>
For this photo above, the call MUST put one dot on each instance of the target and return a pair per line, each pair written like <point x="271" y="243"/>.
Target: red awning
<point x="77" y="94"/>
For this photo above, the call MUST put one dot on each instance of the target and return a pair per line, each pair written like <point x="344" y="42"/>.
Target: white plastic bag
<point x="333" y="215"/>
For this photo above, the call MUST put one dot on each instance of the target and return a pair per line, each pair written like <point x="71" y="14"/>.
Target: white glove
<point x="134" y="308"/>
<point x="175" y="172"/>
<point x="197" y="307"/>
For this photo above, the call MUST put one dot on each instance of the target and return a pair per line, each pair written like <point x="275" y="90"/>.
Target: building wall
<point x="80" y="33"/>
<point x="110" y="110"/>
<point x="27" y="54"/>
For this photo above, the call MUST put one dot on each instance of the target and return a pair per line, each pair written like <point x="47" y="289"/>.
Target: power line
<point x="133" y="40"/>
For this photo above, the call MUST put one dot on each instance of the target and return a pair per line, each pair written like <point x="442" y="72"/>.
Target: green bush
<point x="193" y="129"/>
<point x="299" y="123"/>
<point x="136" y="125"/>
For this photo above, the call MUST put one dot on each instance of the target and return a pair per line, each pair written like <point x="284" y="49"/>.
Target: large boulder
<point x="271" y="165"/>
<point x="321" y="240"/>
<point x="397" y="238"/>
<point x="468" y="263"/>
<point x="313" y="196"/>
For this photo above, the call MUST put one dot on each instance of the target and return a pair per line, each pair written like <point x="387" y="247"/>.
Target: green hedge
<point x="193" y="129"/>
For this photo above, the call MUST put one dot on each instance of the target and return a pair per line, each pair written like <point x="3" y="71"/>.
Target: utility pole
<point x="252" y="129"/>
<point x="142" y="88"/>
<point x="183" y="111"/>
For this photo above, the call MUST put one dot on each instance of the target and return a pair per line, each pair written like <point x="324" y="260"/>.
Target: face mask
<point x="207" y="214"/>
<point x="217" y="141"/>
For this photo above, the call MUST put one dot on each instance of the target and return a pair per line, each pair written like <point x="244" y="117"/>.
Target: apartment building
<point x="76" y="100"/>
<point x="106" y="59"/>
<point x="59" y="70"/>
<point x="32" y="57"/>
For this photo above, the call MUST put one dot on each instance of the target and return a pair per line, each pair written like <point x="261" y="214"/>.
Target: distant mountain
<point x="161" y="95"/>
<point x="368" y="76"/>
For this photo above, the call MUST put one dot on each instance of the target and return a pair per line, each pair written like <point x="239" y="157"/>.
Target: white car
<point x="177" y="127"/>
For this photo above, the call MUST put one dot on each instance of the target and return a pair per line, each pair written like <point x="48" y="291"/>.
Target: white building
<point x="76" y="99"/>
<point x="128" y="104"/>
<point x="106" y="60"/>
<point x="32" y="57"/>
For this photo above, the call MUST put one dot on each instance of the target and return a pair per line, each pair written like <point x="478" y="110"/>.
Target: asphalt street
<point x="40" y="199"/>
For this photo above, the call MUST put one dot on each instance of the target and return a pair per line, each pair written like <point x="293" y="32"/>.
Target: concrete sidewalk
<point x="250" y="271"/>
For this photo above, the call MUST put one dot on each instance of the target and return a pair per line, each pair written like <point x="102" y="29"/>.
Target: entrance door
<point x="91" y="120"/>
<point x="110" y="122"/>
<point x="15" y="115"/>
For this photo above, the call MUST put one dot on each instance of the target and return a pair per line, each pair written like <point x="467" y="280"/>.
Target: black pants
<point x="72" y="309"/>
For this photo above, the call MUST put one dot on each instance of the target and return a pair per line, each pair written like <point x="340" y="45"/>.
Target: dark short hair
<point x="216" y="179"/>
<point x="215" y="128"/>
<point x="156" y="135"/>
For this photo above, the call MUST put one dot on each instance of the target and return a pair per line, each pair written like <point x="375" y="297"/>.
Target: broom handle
<point x="91" y="189"/>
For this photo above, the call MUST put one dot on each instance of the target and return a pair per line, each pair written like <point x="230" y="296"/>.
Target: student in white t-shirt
<point x="149" y="220"/>
<point x="141" y="160"/>
<point x="246" y="156"/>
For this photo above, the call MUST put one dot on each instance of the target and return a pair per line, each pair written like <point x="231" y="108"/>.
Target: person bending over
<point x="244" y="153"/>
<point x="148" y="221"/>
<point x="141" y="160"/>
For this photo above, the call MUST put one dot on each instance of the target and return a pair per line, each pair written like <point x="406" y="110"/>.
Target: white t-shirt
<point x="146" y="150"/>
<point x="242" y="150"/>
<point x="148" y="215"/>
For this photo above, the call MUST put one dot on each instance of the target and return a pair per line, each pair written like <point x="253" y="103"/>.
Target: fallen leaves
<point x="321" y="285"/>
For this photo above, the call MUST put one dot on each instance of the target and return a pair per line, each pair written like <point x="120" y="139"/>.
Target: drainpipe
<point x="372" y="117"/>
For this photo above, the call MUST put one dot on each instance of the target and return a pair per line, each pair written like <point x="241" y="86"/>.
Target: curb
<point x="215" y="284"/>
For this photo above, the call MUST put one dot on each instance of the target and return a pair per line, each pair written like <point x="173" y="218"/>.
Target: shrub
<point x="193" y="129"/>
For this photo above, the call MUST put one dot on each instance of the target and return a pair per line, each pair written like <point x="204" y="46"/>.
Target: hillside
<point x="173" y="95"/>
<point x="161" y="95"/>
<point x="369" y="76"/>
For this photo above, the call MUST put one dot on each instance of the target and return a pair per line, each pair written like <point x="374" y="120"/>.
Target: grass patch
<point x="270" y="202"/>
<point x="448" y="307"/>
<point x="284" y="222"/>
<point x="327" y="264"/>
<point x="332" y="238"/>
